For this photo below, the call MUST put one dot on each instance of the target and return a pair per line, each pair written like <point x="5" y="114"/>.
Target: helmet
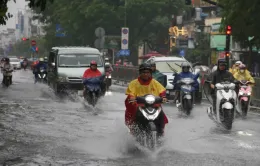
<point x="145" y="66"/>
<point x="93" y="63"/>
<point x="45" y="58"/>
<point x="222" y="62"/>
<point x="153" y="64"/>
<point x="242" y="67"/>
<point x="7" y="60"/>
<point x="238" y="63"/>
<point x="41" y="60"/>
<point x="185" y="64"/>
<point x="106" y="59"/>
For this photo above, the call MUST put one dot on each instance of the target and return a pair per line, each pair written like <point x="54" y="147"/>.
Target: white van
<point x="66" y="66"/>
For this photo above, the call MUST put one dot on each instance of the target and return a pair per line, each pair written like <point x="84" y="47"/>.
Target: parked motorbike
<point x="187" y="90"/>
<point x="42" y="76"/>
<point x="92" y="89"/>
<point x="7" y="80"/>
<point x="244" y="96"/>
<point x="226" y="100"/>
<point x="147" y="131"/>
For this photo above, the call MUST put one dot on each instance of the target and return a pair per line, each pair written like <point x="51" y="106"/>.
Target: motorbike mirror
<point x="53" y="64"/>
<point x="159" y="100"/>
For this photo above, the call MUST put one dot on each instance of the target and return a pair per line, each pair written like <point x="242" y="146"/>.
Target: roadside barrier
<point x="124" y="74"/>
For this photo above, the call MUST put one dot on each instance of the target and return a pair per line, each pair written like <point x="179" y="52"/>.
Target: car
<point x="170" y="65"/>
<point x="15" y="62"/>
<point x="66" y="66"/>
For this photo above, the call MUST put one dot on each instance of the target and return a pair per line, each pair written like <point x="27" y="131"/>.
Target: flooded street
<point x="38" y="128"/>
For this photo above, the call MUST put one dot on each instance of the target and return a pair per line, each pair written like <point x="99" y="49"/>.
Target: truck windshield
<point x="78" y="60"/>
<point x="169" y="66"/>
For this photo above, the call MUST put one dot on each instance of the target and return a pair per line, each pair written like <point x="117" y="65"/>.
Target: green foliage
<point x="244" y="18"/>
<point x="32" y="3"/>
<point x="147" y="20"/>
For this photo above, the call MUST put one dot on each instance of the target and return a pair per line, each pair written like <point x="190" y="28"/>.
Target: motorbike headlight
<point x="109" y="76"/>
<point x="240" y="93"/>
<point x="42" y="71"/>
<point x="249" y="93"/>
<point x="149" y="99"/>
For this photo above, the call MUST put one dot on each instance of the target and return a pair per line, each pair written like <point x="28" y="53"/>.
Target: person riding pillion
<point x="157" y="75"/>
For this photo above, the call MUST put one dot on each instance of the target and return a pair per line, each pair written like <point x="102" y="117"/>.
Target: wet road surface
<point x="38" y="128"/>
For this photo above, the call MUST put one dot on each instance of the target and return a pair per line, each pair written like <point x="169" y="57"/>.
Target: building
<point x="7" y="40"/>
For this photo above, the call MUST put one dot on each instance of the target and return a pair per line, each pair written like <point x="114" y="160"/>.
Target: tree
<point x="243" y="16"/>
<point x="147" y="20"/>
<point x="32" y="3"/>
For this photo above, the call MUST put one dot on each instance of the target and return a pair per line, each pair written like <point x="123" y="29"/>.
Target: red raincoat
<point x="91" y="73"/>
<point x="139" y="88"/>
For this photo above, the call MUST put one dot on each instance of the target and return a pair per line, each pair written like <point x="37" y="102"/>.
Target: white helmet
<point x="106" y="59"/>
<point x="238" y="63"/>
<point x="41" y="59"/>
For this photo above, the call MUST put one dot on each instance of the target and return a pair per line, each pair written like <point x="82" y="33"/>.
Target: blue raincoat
<point x="93" y="83"/>
<point x="185" y="75"/>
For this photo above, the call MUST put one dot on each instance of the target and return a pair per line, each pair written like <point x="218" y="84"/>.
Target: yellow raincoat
<point x="137" y="88"/>
<point x="244" y="76"/>
<point x="234" y="69"/>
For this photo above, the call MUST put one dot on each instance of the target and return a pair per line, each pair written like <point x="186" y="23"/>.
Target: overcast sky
<point x="13" y="8"/>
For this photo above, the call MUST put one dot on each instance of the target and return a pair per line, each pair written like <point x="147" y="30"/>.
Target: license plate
<point x="172" y="93"/>
<point x="80" y="92"/>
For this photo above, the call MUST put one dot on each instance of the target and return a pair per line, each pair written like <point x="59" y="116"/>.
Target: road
<point x="38" y="128"/>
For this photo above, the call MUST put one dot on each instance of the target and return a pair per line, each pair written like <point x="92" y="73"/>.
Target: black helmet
<point x="153" y="64"/>
<point x="145" y="66"/>
<point x="185" y="64"/>
<point x="7" y="60"/>
<point x="222" y="62"/>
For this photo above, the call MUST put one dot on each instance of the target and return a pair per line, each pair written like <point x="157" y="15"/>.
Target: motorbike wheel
<point x="152" y="140"/>
<point x="7" y="82"/>
<point x="244" y="107"/>
<point x="94" y="99"/>
<point x="187" y="105"/>
<point x="228" y="118"/>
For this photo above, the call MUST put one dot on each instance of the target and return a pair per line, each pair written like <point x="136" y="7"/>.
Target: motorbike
<point x="108" y="80"/>
<point x="92" y="89"/>
<point x="226" y="101"/>
<point x="24" y="65"/>
<point x="244" y="96"/>
<point x="42" y="76"/>
<point x="187" y="90"/>
<point x="146" y="131"/>
<point x="7" y="80"/>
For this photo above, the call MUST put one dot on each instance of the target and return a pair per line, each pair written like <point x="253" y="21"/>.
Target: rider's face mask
<point x="242" y="71"/>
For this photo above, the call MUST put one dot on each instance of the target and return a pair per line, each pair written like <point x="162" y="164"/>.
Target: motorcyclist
<point x="221" y="75"/>
<point x="157" y="75"/>
<point x="106" y="60"/>
<point x="9" y="67"/>
<point x="244" y="74"/>
<point x="38" y="67"/>
<point x="25" y="61"/>
<point x="184" y="74"/>
<point x="141" y="86"/>
<point x="91" y="72"/>
<point x="235" y="67"/>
